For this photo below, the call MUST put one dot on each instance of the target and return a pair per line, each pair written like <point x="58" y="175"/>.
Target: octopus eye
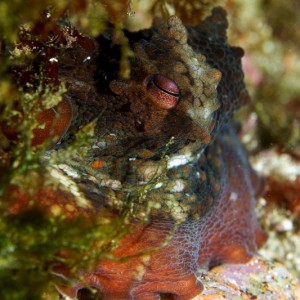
<point x="163" y="91"/>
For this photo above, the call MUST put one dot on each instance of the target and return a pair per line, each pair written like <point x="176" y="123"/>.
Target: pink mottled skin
<point x="171" y="119"/>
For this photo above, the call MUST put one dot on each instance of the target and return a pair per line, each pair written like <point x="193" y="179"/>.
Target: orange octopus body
<point x="161" y="257"/>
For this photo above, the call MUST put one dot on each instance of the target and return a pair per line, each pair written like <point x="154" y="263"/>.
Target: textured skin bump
<point x="200" y="211"/>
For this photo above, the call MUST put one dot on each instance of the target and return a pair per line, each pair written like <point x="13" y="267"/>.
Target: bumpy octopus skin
<point x="171" y="124"/>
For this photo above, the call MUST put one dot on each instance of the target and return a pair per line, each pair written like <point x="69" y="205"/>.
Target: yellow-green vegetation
<point x="32" y="242"/>
<point x="15" y="14"/>
<point x="191" y="12"/>
<point x="34" y="239"/>
<point x="267" y="30"/>
<point x="143" y="12"/>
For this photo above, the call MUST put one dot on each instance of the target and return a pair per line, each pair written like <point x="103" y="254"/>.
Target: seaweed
<point x="34" y="240"/>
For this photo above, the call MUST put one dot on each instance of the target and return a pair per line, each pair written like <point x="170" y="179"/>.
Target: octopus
<point x="166" y="144"/>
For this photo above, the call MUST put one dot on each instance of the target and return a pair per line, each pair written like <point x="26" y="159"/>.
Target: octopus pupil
<point x="164" y="90"/>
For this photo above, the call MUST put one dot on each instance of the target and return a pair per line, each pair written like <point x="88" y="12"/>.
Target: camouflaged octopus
<point x="168" y="142"/>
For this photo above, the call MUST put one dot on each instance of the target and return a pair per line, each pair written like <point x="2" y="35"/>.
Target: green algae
<point x="30" y="244"/>
<point x="32" y="240"/>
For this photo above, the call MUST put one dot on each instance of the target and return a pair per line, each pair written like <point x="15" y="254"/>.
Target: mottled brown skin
<point x="210" y="219"/>
<point x="200" y="211"/>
